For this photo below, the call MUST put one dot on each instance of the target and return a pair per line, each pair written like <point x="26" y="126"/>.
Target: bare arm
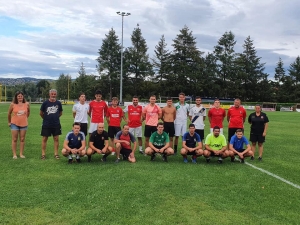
<point x="28" y="109"/>
<point x="42" y="114"/>
<point x="9" y="113"/>
<point x="265" y="130"/>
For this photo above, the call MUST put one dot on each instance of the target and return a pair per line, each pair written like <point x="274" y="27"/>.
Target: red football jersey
<point x="217" y="117"/>
<point x="98" y="111"/>
<point x="134" y="115"/>
<point x="236" y="117"/>
<point x="115" y="116"/>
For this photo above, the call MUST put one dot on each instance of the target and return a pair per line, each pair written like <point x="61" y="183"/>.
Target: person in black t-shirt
<point x="99" y="143"/>
<point x="259" y="125"/>
<point x="51" y="111"/>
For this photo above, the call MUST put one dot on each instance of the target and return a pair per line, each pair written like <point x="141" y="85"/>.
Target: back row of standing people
<point x="175" y="118"/>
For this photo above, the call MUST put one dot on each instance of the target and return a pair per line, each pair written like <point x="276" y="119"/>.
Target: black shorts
<point x="192" y="153"/>
<point x="149" y="130"/>
<point x="126" y="152"/>
<point x="83" y="128"/>
<point x="201" y="134"/>
<point x="212" y="154"/>
<point x="169" y="128"/>
<point x="112" y="131"/>
<point x="257" y="138"/>
<point x="51" y="131"/>
<point x="239" y="150"/>
<point x="231" y="132"/>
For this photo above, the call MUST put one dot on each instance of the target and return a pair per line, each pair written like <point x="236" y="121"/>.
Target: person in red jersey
<point x="216" y="116"/>
<point x="97" y="111"/>
<point x="123" y="142"/>
<point x="114" y="117"/>
<point x="134" y="120"/>
<point x="236" y="117"/>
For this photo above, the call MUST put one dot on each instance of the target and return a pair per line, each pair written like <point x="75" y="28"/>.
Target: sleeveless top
<point x="19" y="115"/>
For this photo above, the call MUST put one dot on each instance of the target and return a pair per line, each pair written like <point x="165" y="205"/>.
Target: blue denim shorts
<point x="15" y="127"/>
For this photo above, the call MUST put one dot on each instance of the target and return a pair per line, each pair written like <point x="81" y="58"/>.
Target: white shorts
<point x="180" y="129"/>
<point x="137" y="131"/>
<point x="221" y="130"/>
<point x="93" y="127"/>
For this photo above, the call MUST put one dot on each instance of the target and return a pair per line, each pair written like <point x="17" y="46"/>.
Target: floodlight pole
<point x="121" y="76"/>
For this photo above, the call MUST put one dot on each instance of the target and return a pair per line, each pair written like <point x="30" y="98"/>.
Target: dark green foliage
<point x="137" y="66"/>
<point x="225" y="55"/>
<point x="187" y="65"/>
<point x="109" y="62"/>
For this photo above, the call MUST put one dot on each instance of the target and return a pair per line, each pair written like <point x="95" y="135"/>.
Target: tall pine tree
<point x="187" y="64"/>
<point x="137" y="66"/>
<point x="162" y="65"/>
<point x="225" y="55"/>
<point x="109" y="62"/>
<point x="250" y="72"/>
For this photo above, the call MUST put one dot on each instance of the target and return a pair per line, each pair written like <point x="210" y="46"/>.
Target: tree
<point x="279" y="72"/>
<point x="162" y="66"/>
<point x="280" y="79"/>
<point x="249" y="72"/>
<point x="31" y="91"/>
<point x="84" y="83"/>
<point x="211" y="87"/>
<point x="294" y="71"/>
<point x="137" y="66"/>
<point x="225" y="55"/>
<point x="187" y="64"/>
<point x="43" y="87"/>
<point x="294" y="74"/>
<point x="63" y="86"/>
<point x="109" y="62"/>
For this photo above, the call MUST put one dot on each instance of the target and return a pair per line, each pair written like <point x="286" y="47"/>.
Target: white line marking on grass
<point x="274" y="175"/>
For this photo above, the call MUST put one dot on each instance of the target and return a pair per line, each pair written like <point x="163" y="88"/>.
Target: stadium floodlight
<point x="121" y="76"/>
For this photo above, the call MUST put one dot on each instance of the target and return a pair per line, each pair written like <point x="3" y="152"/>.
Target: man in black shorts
<point x="123" y="142"/>
<point x="50" y="111"/>
<point x="99" y="143"/>
<point x="169" y="116"/>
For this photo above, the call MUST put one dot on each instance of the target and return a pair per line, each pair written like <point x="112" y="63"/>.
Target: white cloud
<point x="56" y="36"/>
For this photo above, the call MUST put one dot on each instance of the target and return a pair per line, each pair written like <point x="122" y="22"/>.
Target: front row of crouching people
<point x="125" y="144"/>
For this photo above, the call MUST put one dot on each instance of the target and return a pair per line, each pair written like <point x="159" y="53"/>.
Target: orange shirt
<point x="152" y="114"/>
<point x="19" y="115"/>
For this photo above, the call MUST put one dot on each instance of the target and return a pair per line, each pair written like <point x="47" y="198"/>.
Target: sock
<point x="77" y="156"/>
<point x="220" y="158"/>
<point x="194" y="157"/>
<point x="141" y="148"/>
<point x="70" y="157"/>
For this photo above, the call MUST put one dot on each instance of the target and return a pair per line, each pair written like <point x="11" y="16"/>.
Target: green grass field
<point x="53" y="192"/>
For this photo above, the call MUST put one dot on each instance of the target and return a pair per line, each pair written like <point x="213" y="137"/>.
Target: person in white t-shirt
<point x="182" y="112"/>
<point x="197" y="116"/>
<point x="80" y="113"/>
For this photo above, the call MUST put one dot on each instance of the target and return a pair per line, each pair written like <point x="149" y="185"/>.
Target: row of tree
<point x="222" y="73"/>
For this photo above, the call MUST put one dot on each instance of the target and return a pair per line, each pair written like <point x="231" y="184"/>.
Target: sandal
<point x="56" y="156"/>
<point x="43" y="157"/>
<point x="15" y="157"/>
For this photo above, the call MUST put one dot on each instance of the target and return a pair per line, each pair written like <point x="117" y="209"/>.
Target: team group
<point x="158" y="135"/>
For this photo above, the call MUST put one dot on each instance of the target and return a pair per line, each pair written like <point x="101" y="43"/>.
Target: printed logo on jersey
<point x="52" y="109"/>
<point x="217" y="145"/>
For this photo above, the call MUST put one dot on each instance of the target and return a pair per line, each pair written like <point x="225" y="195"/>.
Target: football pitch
<point x="34" y="191"/>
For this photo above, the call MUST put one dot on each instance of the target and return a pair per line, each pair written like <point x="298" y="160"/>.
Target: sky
<point x="43" y="39"/>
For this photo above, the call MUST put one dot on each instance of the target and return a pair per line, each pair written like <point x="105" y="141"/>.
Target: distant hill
<point x="17" y="81"/>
